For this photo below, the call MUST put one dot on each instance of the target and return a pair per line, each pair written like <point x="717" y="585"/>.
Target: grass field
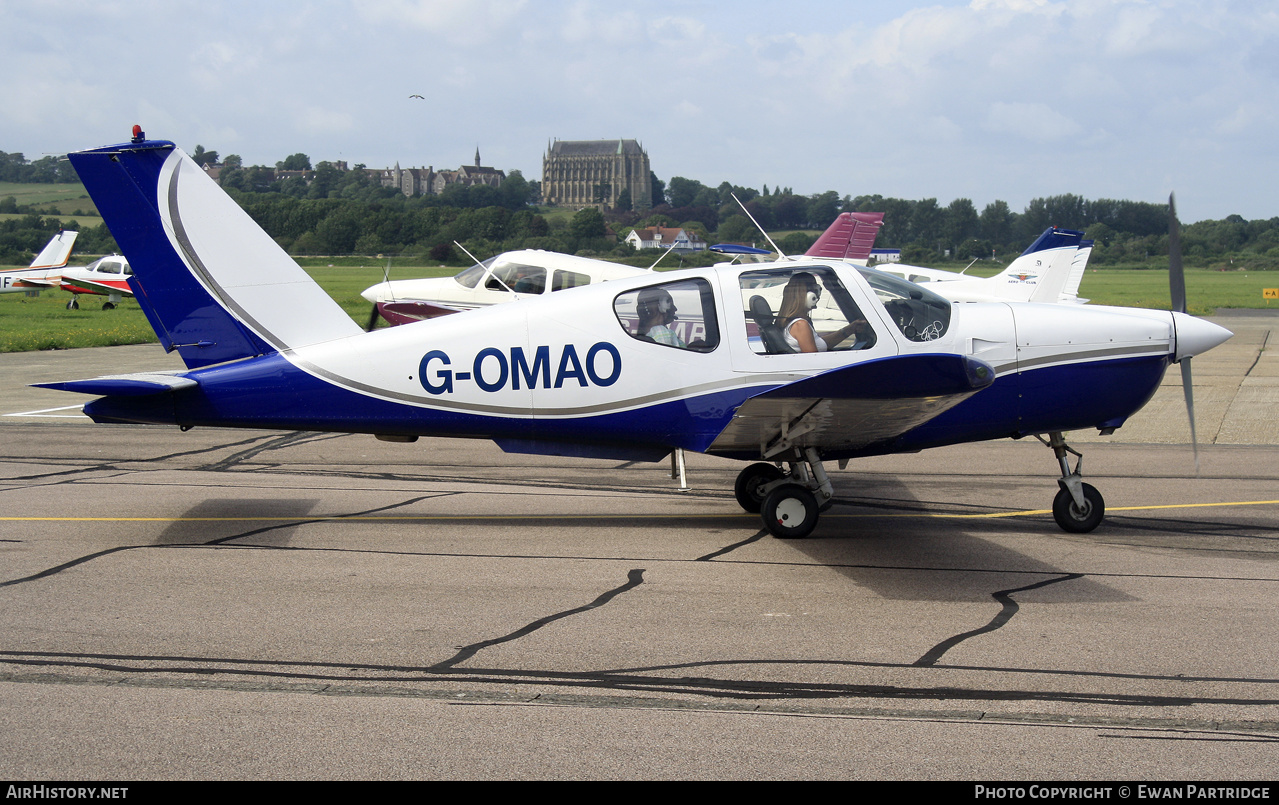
<point x="45" y="323"/>
<point x="53" y="199"/>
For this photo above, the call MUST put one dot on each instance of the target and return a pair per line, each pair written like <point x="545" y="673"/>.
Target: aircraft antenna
<point x="780" y="254"/>
<point x="970" y="265"/>
<point x="478" y="263"/>
<point x="658" y="260"/>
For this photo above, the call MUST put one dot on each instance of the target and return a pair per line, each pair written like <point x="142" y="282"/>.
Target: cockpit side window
<point x="569" y="279"/>
<point x="517" y="277"/>
<point x="801" y="309"/>
<point x="919" y="313"/>
<point x="673" y="314"/>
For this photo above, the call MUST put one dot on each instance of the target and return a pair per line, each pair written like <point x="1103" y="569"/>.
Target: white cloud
<point x="937" y="98"/>
<point x="1032" y="121"/>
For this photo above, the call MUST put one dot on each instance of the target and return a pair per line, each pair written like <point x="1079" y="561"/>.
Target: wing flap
<point x="853" y="407"/>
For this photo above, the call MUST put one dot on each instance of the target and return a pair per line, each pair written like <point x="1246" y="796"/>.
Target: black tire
<point x="790" y="512"/>
<point x="749" y="482"/>
<point x="1071" y="518"/>
<point x="108" y="306"/>
<point x="74" y="304"/>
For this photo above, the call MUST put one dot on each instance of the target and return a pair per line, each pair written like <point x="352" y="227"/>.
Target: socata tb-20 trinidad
<point x="630" y="369"/>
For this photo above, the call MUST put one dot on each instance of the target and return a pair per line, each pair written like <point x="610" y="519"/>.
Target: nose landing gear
<point x="1078" y="507"/>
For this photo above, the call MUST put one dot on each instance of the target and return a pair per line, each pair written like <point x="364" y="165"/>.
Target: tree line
<point x="327" y="210"/>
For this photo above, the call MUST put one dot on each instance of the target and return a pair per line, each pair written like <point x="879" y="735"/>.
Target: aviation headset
<point x="653" y="302"/>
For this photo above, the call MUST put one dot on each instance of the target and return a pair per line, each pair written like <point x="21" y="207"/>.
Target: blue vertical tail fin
<point x="213" y="285"/>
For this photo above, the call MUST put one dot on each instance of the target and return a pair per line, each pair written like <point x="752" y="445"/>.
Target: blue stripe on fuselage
<point x="269" y="392"/>
<point x="1072" y="396"/>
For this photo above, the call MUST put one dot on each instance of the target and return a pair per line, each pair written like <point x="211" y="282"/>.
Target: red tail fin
<point x="850" y="237"/>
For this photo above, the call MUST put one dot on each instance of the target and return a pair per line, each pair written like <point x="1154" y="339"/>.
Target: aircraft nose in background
<point x="1196" y="336"/>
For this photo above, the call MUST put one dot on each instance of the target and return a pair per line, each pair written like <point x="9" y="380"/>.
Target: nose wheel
<point x="1075" y="518"/>
<point x="1078" y="507"/>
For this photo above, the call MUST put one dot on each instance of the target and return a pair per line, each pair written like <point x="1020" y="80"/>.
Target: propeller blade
<point x="1187" y="386"/>
<point x="1177" y="291"/>
<point x="373" y="317"/>
<point x="1176" y="274"/>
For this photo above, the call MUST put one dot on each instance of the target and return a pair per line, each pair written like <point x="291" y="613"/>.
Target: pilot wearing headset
<point x="656" y="311"/>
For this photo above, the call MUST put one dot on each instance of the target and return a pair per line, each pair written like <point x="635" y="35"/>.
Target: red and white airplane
<point x="107" y="276"/>
<point x="44" y="272"/>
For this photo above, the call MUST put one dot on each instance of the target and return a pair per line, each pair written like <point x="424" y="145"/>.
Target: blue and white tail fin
<point x="1070" y="293"/>
<point x="213" y="285"/>
<point x="1039" y="274"/>
<point x="56" y="252"/>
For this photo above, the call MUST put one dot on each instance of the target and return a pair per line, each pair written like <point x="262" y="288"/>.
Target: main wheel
<point x="108" y="306"/>
<point x="1075" y="520"/>
<point x="750" y="482"/>
<point x="790" y="512"/>
<point x="74" y="304"/>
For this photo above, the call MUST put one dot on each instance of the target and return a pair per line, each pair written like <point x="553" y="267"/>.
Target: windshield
<point x="471" y="276"/>
<point x="919" y="313"/>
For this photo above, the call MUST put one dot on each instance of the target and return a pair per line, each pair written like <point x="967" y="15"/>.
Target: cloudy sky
<point x="987" y="99"/>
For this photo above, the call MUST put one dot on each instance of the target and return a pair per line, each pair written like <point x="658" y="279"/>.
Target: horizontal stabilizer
<point x="132" y="385"/>
<point x="737" y="248"/>
<point x="1054" y="238"/>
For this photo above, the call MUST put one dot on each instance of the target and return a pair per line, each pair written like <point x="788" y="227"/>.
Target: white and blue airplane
<point x="1048" y="271"/>
<point x="630" y="369"/>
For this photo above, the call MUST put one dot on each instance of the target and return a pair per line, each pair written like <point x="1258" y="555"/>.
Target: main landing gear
<point x="1078" y="507"/>
<point x="788" y="502"/>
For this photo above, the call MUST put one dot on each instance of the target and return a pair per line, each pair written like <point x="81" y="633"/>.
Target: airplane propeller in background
<point x="373" y="314"/>
<point x="1177" y="290"/>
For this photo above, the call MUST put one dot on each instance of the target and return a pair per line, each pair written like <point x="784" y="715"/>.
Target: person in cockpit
<point x="656" y="310"/>
<point x="799" y="298"/>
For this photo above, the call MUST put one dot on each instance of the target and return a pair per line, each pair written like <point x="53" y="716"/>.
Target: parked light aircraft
<point x="598" y="371"/>
<point x="503" y="278"/>
<point x="107" y="276"/>
<point x="518" y="274"/>
<point x="44" y="271"/>
<point x="1048" y="271"/>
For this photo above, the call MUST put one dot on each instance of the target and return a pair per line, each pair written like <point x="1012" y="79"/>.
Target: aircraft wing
<point x="405" y="311"/>
<point x="93" y="286"/>
<point x="853" y="407"/>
